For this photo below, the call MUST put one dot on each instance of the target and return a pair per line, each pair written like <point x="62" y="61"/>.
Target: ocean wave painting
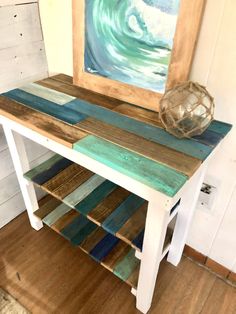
<point x="130" y="40"/>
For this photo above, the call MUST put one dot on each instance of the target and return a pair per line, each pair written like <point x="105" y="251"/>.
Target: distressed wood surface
<point x="103" y="247"/>
<point x="157" y="176"/>
<point x="39" y="122"/>
<point x="160" y="153"/>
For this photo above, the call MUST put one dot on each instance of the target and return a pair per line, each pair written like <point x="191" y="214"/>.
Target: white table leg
<point x="155" y="231"/>
<point x="21" y="164"/>
<point x="186" y="209"/>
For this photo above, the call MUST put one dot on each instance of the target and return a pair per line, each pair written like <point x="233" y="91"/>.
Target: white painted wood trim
<point x="21" y="164"/>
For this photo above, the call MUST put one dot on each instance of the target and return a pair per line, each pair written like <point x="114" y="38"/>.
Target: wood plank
<point x="57" y="213"/>
<point x="220" y="127"/>
<point x="95" y="197"/>
<point x="60" y="112"/>
<point x="131" y="229"/>
<point x="209" y="137"/>
<point x="126" y="266"/>
<point x="133" y="278"/>
<point x="160" y="153"/>
<point x="81" y="93"/>
<point x="47" y="164"/>
<point x="93" y="239"/>
<point x="122" y="213"/>
<point x="47" y="93"/>
<point x="74" y="227"/>
<point x="138" y="241"/>
<point x="156" y="176"/>
<point x="104" y="247"/>
<point x="83" y="233"/>
<point x="50" y="204"/>
<point x="83" y="190"/>
<point x="65" y="220"/>
<point x="116" y="255"/>
<point x="106" y="207"/>
<point x="39" y="122"/>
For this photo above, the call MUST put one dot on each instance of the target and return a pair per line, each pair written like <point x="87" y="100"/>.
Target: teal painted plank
<point x="83" y="233"/>
<point x="155" y="134"/>
<point x="126" y="267"/>
<point x="153" y="174"/>
<point x="219" y="127"/>
<point x="47" y="93"/>
<point x="71" y="230"/>
<point x="122" y="213"/>
<point x="43" y="167"/>
<point x="60" y="112"/>
<point x="94" y="198"/>
<point x="57" y="213"/>
<point x="209" y="137"/>
<point x="83" y="190"/>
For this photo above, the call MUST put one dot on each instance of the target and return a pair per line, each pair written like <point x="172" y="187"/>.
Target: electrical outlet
<point x="207" y="196"/>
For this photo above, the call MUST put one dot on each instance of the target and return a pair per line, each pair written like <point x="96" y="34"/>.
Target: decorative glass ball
<point x="187" y="109"/>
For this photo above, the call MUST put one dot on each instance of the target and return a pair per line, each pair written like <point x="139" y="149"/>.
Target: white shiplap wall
<point x="215" y="66"/>
<point x="22" y="60"/>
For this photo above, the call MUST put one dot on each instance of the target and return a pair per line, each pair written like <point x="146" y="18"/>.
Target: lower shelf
<point x="114" y="254"/>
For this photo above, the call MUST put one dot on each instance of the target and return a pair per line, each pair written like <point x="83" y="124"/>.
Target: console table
<point x="117" y="179"/>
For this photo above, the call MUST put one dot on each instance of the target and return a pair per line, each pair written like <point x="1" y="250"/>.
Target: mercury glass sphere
<point x="186" y="110"/>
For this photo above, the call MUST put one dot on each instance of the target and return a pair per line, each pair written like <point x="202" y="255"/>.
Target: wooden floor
<point x="47" y="275"/>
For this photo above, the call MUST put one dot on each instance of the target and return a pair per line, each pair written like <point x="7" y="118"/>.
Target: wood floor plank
<point x="39" y="122"/>
<point x="122" y="213"/>
<point x="108" y="205"/>
<point x="131" y="229"/>
<point x="150" y="173"/>
<point x="60" y="112"/>
<point x="157" y="152"/>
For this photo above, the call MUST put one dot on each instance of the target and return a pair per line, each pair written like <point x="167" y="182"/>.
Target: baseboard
<point x="209" y="263"/>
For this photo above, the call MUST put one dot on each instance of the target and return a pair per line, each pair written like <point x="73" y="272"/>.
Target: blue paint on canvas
<point x="130" y="40"/>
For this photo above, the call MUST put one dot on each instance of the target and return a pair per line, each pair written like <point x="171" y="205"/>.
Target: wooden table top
<point x="122" y="136"/>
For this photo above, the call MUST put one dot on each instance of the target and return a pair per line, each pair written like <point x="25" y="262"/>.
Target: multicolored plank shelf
<point x="123" y="231"/>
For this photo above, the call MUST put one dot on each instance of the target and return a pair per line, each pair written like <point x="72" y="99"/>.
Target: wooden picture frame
<point x="187" y="29"/>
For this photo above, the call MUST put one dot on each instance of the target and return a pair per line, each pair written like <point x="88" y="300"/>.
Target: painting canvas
<point x="130" y="40"/>
<point x="134" y="50"/>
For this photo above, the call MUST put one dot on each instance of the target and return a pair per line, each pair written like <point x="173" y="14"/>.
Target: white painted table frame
<point x="159" y="205"/>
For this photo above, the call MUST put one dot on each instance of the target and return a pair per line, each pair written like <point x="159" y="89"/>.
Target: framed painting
<point x="133" y="50"/>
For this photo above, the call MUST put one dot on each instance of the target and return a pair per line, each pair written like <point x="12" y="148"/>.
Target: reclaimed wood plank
<point x="47" y="93"/>
<point x="107" y="206"/>
<point x="157" y="152"/>
<point x="104" y="247"/>
<point x="39" y="122"/>
<point x="65" y="220"/>
<point x="209" y="137"/>
<point x="220" y="127"/>
<point x="74" y="227"/>
<point x="93" y="239"/>
<point x="122" y="213"/>
<point x="150" y="173"/>
<point x="83" y="190"/>
<point x="50" y="204"/>
<point x="116" y="255"/>
<point x="131" y="229"/>
<point x="133" y="278"/>
<point x="126" y="266"/>
<point x="95" y="198"/>
<point x="81" y="93"/>
<point x="57" y="213"/>
<point x="50" y="172"/>
<point x="60" y="112"/>
<point x="47" y="164"/>
<point x="83" y="233"/>
<point x="138" y="241"/>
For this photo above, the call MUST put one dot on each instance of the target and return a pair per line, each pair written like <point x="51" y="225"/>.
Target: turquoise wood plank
<point x="83" y="190"/>
<point x="209" y="137"/>
<point x="219" y="127"/>
<point x="47" y="93"/>
<point x="60" y="112"/>
<point x="42" y="167"/>
<point x="104" y="247"/>
<point x="49" y="173"/>
<point x="155" y="134"/>
<point x="94" y="198"/>
<point x="126" y="267"/>
<point x="122" y="213"/>
<point x="57" y="213"/>
<point x="83" y="233"/>
<point x="71" y="230"/>
<point x="144" y="170"/>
